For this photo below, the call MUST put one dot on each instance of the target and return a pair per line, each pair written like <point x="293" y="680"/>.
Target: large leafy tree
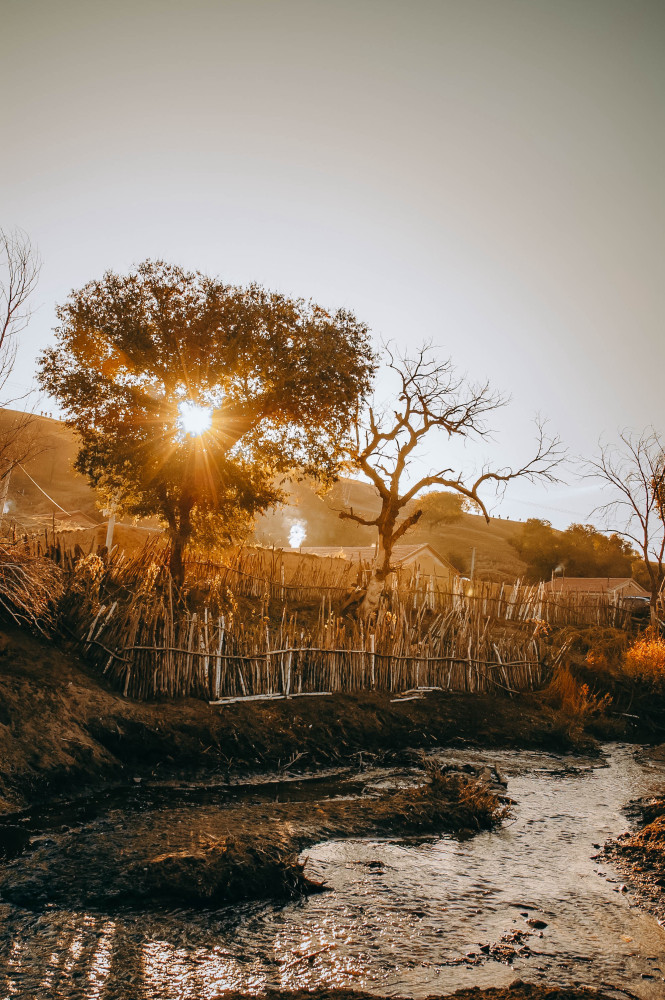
<point x="275" y="378"/>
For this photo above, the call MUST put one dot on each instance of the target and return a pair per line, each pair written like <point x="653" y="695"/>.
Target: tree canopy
<point x="580" y="550"/>
<point x="276" y="379"/>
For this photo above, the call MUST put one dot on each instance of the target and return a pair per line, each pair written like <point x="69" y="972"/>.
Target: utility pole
<point x="110" y="513"/>
<point x="4" y="491"/>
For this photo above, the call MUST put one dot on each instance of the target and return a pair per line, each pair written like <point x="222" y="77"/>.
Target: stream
<point x="415" y="917"/>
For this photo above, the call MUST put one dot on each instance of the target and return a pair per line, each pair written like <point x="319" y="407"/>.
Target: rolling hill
<point x="48" y="489"/>
<point x="51" y="470"/>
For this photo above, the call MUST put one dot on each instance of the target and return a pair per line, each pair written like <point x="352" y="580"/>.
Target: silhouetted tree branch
<point x="635" y="471"/>
<point x="432" y="397"/>
<point x="19" y="272"/>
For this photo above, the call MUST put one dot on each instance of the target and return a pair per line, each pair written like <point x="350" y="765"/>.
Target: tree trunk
<point x="381" y="571"/>
<point x="655" y="620"/>
<point x="180" y="536"/>
<point x="176" y="561"/>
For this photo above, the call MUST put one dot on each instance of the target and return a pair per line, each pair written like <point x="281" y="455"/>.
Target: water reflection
<point x="408" y="917"/>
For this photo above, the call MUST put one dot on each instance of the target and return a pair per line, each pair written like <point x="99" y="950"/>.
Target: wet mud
<point x="186" y="853"/>
<point x="518" y="990"/>
<point x="402" y="915"/>
<point x="174" y="850"/>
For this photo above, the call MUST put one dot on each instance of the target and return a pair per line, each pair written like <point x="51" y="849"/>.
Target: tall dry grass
<point x="575" y="698"/>
<point x="645" y="657"/>
<point x="30" y="590"/>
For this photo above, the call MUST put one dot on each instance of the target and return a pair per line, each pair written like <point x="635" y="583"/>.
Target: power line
<point x="55" y="504"/>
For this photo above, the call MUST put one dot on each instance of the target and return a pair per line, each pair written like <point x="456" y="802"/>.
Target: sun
<point x="194" y="419"/>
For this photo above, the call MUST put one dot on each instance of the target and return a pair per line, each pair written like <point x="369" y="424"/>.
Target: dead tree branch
<point x="432" y="397"/>
<point x="634" y="471"/>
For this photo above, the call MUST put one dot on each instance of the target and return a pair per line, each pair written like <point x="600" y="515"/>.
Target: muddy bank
<point x="62" y="729"/>
<point x="227" y="852"/>
<point x="640" y="855"/>
<point x="416" y="917"/>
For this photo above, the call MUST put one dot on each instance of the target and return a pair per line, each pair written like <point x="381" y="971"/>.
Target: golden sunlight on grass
<point x="646" y="656"/>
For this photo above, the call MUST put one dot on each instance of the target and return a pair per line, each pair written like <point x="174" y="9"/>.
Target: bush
<point x="645" y="658"/>
<point x="575" y="698"/>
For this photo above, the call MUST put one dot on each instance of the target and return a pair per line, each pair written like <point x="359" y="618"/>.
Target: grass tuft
<point x="574" y="698"/>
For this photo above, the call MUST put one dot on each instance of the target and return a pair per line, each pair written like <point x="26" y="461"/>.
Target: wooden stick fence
<point x="153" y="641"/>
<point x="272" y="575"/>
<point x="150" y="644"/>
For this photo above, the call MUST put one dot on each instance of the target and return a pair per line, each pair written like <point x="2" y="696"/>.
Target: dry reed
<point x="30" y="589"/>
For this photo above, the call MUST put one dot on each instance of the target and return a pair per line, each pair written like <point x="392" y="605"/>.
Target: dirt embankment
<point x="640" y="855"/>
<point x="62" y="729"/>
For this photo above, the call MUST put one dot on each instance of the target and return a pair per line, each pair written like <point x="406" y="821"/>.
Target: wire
<point x="43" y="491"/>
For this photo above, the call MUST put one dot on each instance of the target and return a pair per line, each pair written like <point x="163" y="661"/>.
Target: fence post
<point x="372" y="659"/>
<point x="218" y="664"/>
<point x="287" y="686"/>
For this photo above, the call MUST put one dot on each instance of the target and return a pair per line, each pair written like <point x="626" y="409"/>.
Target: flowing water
<point x="402" y="917"/>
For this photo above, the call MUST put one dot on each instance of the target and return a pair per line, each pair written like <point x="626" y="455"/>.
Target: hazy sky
<point x="488" y="174"/>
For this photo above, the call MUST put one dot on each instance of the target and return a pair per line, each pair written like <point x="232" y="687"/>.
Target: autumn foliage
<point x="645" y="658"/>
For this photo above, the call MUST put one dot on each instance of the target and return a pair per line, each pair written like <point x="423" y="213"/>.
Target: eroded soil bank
<point x="640" y="853"/>
<point x="62" y="729"/>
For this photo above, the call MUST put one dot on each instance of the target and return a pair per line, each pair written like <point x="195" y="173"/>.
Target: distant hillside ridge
<point x="495" y="557"/>
<point x="52" y="469"/>
<point x="66" y="490"/>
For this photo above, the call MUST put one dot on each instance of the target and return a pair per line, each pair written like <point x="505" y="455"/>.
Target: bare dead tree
<point x="19" y="272"/>
<point x="634" y="470"/>
<point x="432" y="398"/>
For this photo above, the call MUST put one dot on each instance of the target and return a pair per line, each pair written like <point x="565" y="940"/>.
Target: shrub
<point x="575" y="698"/>
<point x="645" y="657"/>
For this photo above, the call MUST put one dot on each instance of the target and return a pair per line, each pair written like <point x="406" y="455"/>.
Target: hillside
<point x="496" y="559"/>
<point x="52" y="468"/>
<point x="318" y="517"/>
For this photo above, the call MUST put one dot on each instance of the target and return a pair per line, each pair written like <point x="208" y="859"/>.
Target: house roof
<point x="595" y="585"/>
<point x="366" y="553"/>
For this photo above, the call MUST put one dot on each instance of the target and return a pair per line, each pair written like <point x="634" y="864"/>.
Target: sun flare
<point x="194" y="419"/>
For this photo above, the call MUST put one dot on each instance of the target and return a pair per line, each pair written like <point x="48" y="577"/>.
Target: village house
<point x="422" y="557"/>
<point x="617" y="586"/>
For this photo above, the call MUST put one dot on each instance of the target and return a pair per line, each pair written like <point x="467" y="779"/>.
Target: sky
<point x="486" y="175"/>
